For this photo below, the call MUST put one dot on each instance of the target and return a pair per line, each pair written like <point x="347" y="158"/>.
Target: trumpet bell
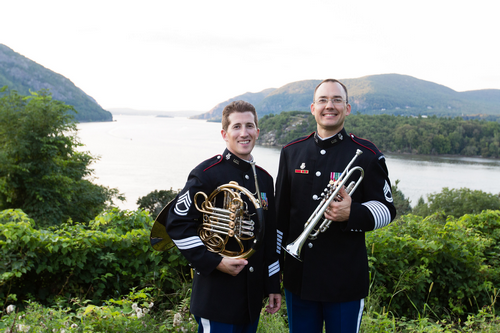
<point x="294" y="249"/>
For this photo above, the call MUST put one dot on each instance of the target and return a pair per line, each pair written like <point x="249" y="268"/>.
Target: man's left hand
<point x="274" y="303"/>
<point x="339" y="211"/>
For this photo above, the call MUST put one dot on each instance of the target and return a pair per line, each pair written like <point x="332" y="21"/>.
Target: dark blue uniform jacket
<point x="218" y="296"/>
<point x="335" y="265"/>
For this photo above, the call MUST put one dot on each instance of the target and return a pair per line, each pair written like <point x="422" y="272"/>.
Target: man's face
<point x="241" y="134"/>
<point x="330" y="117"/>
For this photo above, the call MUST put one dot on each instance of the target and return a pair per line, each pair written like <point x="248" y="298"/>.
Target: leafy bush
<point x="427" y="265"/>
<point x="104" y="259"/>
<point x="128" y="314"/>
<point x="457" y="202"/>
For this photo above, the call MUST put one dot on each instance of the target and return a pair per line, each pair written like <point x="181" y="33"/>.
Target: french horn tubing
<point x="222" y="222"/>
<point x="331" y="193"/>
<point x="231" y="221"/>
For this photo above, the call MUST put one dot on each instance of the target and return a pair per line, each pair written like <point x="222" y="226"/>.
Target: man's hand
<point x="232" y="266"/>
<point x="274" y="303"/>
<point x="339" y="209"/>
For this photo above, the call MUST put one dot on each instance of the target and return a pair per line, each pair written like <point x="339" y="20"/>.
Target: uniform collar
<point x="235" y="160"/>
<point x="330" y="142"/>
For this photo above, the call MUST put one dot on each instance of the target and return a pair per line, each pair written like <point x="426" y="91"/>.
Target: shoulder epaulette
<point x="298" y="140"/>
<point x="212" y="162"/>
<point x="264" y="170"/>
<point x="365" y="143"/>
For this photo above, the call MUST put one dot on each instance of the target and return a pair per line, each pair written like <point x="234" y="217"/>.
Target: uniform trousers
<point x="308" y="316"/>
<point x="210" y="326"/>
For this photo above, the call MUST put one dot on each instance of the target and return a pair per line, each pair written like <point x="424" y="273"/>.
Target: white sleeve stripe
<point x="188" y="243"/>
<point x="380" y="213"/>
<point x="280" y="240"/>
<point x="274" y="268"/>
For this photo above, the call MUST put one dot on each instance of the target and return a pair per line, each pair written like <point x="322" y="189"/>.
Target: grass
<point x="135" y="313"/>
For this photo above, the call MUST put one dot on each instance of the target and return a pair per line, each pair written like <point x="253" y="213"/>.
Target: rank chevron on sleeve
<point x="183" y="204"/>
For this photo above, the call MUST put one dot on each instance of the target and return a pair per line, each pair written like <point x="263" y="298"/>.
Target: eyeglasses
<point x="335" y="100"/>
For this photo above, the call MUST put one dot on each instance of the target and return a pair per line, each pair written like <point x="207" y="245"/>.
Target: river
<point x="140" y="154"/>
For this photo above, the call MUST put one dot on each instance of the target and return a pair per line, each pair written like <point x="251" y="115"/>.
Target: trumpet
<point x="330" y="193"/>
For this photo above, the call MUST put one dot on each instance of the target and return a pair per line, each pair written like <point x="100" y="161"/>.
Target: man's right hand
<point x="232" y="266"/>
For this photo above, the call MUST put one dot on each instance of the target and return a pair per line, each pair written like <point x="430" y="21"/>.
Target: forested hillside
<point x="216" y="111"/>
<point x="391" y="94"/>
<point x="24" y="75"/>
<point x="416" y="135"/>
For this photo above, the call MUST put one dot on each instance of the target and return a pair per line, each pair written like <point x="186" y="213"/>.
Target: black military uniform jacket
<point x="335" y="265"/>
<point x="219" y="296"/>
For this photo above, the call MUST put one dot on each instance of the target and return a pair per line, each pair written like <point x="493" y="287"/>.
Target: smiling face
<point x="330" y="117"/>
<point x="241" y="134"/>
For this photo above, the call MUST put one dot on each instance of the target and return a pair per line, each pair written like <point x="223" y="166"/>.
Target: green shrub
<point x="457" y="202"/>
<point x="131" y="313"/>
<point x="427" y="266"/>
<point x="98" y="261"/>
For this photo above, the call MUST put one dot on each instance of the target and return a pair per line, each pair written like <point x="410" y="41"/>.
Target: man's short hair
<point x="332" y="80"/>
<point x="237" y="106"/>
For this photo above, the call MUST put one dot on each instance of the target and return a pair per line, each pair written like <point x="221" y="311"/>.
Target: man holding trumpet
<point x="325" y="270"/>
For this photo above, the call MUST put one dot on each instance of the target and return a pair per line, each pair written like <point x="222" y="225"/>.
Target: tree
<point x="41" y="172"/>
<point x="401" y="203"/>
<point x="457" y="202"/>
<point x="156" y="200"/>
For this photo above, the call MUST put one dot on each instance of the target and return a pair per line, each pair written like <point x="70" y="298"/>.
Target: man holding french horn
<point x="331" y="188"/>
<point x="224" y="223"/>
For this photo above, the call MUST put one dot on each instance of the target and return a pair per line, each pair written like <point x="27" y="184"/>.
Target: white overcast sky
<point x="190" y="55"/>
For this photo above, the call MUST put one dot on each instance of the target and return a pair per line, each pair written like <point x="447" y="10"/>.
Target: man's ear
<point x="348" y="109"/>
<point x="224" y="135"/>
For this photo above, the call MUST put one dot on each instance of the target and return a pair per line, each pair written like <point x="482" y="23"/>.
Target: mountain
<point x="393" y="94"/>
<point x="252" y="98"/>
<point x="22" y="74"/>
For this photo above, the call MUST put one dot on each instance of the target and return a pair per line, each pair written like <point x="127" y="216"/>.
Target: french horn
<point x="229" y="226"/>
<point x="232" y="222"/>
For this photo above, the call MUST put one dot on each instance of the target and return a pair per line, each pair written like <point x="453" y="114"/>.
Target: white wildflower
<point x="23" y="328"/>
<point x="145" y="310"/>
<point x="140" y="314"/>
<point x="63" y="330"/>
<point x="11" y="308"/>
<point x="151" y="305"/>
<point x="74" y="326"/>
<point x="177" y="319"/>
<point x="134" y="306"/>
